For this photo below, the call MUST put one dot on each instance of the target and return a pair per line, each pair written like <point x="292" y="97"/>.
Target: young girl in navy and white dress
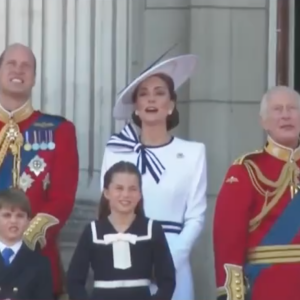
<point x="173" y="169"/>
<point x="123" y="247"/>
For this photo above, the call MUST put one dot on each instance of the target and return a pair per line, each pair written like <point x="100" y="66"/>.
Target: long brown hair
<point x="119" y="167"/>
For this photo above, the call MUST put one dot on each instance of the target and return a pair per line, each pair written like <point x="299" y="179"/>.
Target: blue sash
<point x="38" y="132"/>
<point x="283" y="232"/>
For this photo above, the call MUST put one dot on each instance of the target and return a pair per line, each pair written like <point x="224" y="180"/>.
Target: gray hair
<point x="271" y="92"/>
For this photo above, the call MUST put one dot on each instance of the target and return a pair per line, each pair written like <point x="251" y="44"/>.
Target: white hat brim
<point x="179" y="68"/>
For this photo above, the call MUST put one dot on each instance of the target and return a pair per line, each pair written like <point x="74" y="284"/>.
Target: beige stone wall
<point x="220" y="105"/>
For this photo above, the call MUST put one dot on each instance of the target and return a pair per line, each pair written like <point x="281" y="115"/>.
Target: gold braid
<point x="12" y="139"/>
<point x="278" y="188"/>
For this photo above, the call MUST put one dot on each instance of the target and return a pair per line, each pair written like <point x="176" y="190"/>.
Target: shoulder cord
<point x="11" y="138"/>
<point x="271" y="198"/>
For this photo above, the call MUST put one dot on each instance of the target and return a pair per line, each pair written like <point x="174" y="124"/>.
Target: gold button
<point x="238" y="296"/>
<point x="15" y="289"/>
<point x="238" y="289"/>
<point x="237" y="275"/>
<point x="238" y="282"/>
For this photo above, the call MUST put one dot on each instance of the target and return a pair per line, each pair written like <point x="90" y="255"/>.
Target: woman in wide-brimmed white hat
<point x="173" y="169"/>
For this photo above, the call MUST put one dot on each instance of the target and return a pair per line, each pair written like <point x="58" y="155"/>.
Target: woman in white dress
<point x="173" y="169"/>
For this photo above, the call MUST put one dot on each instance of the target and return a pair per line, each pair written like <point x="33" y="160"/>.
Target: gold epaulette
<point x="240" y="159"/>
<point x="36" y="232"/>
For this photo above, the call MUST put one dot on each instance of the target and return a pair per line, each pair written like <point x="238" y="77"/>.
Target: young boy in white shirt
<point x="24" y="274"/>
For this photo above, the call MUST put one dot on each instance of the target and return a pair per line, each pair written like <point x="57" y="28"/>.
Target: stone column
<point x="167" y="22"/>
<point x="110" y="67"/>
<point x="231" y="39"/>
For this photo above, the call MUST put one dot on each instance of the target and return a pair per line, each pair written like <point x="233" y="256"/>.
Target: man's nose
<point x="19" y="69"/>
<point x="286" y="114"/>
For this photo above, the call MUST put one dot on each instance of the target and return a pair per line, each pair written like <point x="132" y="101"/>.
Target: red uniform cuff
<point x="234" y="287"/>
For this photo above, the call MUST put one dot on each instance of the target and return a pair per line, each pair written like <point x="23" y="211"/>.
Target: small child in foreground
<point x="24" y="274"/>
<point x="123" y="247"/>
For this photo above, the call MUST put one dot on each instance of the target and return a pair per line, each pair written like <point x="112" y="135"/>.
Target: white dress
<point x="174" y="191"/>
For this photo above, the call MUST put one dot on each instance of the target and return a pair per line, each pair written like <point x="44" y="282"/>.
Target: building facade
<point x="88" y="50"/>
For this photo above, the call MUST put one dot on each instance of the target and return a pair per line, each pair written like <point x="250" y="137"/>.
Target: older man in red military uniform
<point x="38" y="153"/>
<point x="257" y="216"/>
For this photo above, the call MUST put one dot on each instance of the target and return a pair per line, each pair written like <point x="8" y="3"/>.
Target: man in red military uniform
<point x="38" y="153"/>
<point x="256" y="223"/>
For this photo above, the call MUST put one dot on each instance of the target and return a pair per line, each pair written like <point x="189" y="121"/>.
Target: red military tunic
<point x="256" y="190"/>
<point x="51" y="187"/>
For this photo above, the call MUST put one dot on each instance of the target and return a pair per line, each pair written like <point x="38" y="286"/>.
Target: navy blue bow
<point x="127" y="141"/>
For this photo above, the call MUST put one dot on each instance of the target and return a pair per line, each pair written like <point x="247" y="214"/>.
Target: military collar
<point x="282" y="152"/>
<point x="18" y="115"/>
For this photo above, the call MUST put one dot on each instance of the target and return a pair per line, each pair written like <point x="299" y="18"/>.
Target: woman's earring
<point x="136" y="113"/>
<point x="170" y="112"/>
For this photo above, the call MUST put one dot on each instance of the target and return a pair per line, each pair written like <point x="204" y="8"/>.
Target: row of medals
<point x="41" y="146"/>
<point x="38" y="146"/>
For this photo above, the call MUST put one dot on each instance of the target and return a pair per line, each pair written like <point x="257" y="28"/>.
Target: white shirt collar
<point x="16" y="247"/>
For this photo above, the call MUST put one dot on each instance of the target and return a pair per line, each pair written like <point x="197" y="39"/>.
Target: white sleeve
<point x="195" y="211"/>
<point x="105" y="166"/>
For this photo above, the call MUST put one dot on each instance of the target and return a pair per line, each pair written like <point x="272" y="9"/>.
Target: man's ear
<point x="263" y="123"/>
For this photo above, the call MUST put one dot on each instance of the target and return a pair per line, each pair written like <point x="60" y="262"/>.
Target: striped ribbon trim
<point x="127" y="141"/>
